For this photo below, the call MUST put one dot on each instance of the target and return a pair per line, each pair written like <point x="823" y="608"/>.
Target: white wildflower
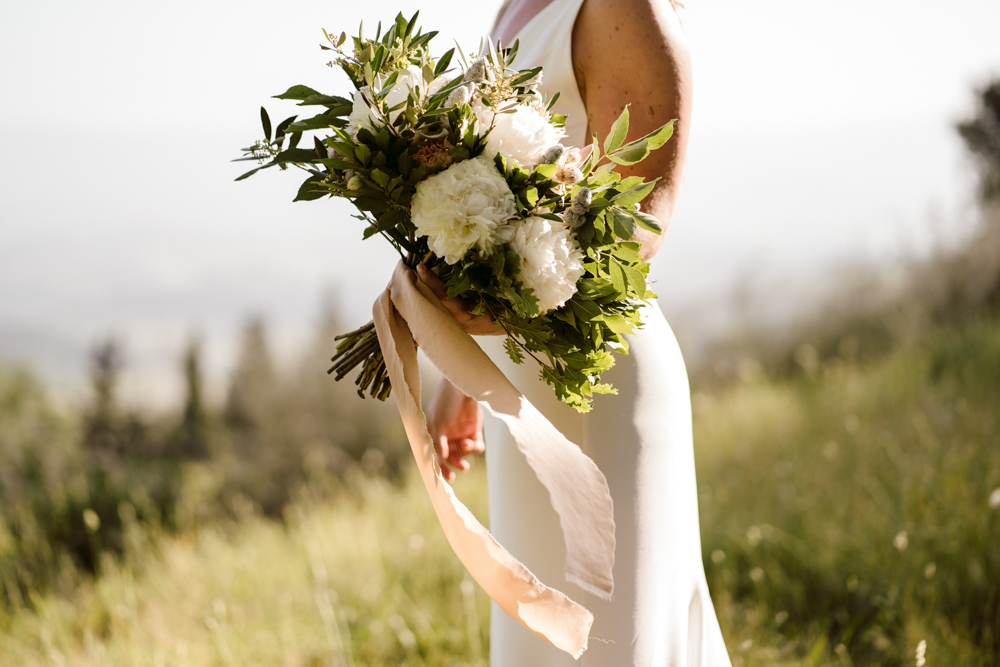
<point x="551" y="262"/>
<point x="523" y="135"/>
<point x="995" y="499"/>
<point x="410" y="79"/>
<point x="922" y="653"/>
<point x="901" y="541"/>
<point x="463" y="207"/>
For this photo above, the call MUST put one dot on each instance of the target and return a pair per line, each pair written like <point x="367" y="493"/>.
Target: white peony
<point x="551" y="261"/>
<point x="463" y="207"/>
<point x="361" y="113"/>
<point x="523" y="135"/>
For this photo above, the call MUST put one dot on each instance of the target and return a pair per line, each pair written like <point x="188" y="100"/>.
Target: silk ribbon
<point x="408" y="314"/>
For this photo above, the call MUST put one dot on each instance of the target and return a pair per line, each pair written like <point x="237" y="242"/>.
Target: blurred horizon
<point x="822" y="137"/>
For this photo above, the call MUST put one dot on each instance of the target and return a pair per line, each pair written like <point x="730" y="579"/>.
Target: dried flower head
<point x="568" y="167"/>
<point x="434" y="155"/>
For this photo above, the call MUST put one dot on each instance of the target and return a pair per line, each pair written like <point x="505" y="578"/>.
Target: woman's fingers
<point x="428" y="278"/>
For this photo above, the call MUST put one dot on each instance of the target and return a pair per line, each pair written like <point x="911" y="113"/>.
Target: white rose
<point x="463" y="207"/>
<point x="523" y="135"/>
<point x="412" y="77"/>
<point x="551" y="261"/>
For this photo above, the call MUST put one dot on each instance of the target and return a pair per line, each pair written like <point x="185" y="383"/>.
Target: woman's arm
<point x="634" y="52"/>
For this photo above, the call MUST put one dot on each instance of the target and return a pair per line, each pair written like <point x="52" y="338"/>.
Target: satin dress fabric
<point x="660" y="613"/>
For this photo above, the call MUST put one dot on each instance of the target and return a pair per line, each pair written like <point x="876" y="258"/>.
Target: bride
<point x="602" y="54"/>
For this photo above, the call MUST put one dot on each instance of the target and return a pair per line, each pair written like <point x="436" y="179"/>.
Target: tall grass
<point x="364" y="579"/>
<point x="845" y="517"/>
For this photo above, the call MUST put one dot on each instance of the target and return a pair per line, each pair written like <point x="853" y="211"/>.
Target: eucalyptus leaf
<point x="266" y="122"/>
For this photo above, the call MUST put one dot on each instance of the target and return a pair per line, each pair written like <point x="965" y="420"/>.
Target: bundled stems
<point x="360" y="347"/>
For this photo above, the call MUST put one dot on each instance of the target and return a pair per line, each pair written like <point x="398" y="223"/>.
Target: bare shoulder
<point x="631" y="25"/>
<point x="635" y="52"/>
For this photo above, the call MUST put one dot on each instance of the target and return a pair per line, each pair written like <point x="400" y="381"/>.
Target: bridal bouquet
<point x="462" y="169"/>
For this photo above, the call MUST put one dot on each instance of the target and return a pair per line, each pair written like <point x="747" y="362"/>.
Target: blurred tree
<point x="191" y="439"/>
<point x="982" y="137"/>
<point x="102" y="432"/>
<point x="252" y="390"/>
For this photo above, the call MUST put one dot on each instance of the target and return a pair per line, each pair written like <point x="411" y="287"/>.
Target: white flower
<point x="901" y="541"/>
<point x="406" y="80"/>
<point x="524" y="135"/>
<point x="465" y="206"/>
<point x="551" y="262"/>
<point x="995" y="499"/>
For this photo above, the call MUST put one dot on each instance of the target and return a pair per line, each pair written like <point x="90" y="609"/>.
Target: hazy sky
<point x="821" y="131"/>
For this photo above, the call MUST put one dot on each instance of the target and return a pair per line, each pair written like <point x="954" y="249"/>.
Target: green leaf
<point x="513" y="351"/>
<point x="443" y="62"/>
<point x="634" y="195"/>
<point x="380" y="177"/>
<point x="249" y="174"/>
<point x="531" y="195"/>
<point x="584" y="309"/>
<point x="546" y="170"/>
<point x="647" y="221"/>
<point x="296" y="155"/>
<point x="617" y="278"/>
<point x="296" y="93"/>
<point x="337" y="164"/>
<point x="525" y="76"/>
<point x="618" y="131"/>
<point x="637" y="151"/>
<point x="627" y="252"/>
<point x="618" y="324"/>
<point x="311" y="189"/>
<point x="636" y="280"/>
<point x="266" y="122"/>
<point x="363" y="153"/>
<point x="659" y="136"/>
<point x="319" y="122"/>
<point x="282" y="126"/>
<point x="622" y="224"/>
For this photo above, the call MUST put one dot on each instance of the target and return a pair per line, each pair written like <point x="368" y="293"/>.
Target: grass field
<point x="846" y="516"/>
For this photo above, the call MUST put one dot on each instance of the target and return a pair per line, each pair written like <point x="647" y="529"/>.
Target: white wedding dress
<point x="661" y="613"/>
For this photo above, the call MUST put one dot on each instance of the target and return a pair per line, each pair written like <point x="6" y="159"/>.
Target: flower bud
<point x="354" y="181"/>
<point x="476" y="71"/>
<point x="573" y="219"/>
<point x="459" y="96"/>
<point x="551" y="155"/>
<point x="581" y="202"/>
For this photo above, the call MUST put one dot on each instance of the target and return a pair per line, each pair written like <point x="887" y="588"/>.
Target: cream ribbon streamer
<point x="408" y="312"/>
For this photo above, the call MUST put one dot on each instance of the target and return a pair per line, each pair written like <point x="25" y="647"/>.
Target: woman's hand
<point x="455" y="422"/>
<point x="477" y="325"/>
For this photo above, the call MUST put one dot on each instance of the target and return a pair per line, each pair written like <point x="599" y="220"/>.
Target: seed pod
<point x="581" y="202"/>
<point x="573" y="219"/>
<point x="476" y="71"/>
<point x="552" y="154"/>
<point x="459" y="96"/>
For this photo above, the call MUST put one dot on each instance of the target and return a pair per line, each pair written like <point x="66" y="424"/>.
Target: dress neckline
<point x="533" y="19"/>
